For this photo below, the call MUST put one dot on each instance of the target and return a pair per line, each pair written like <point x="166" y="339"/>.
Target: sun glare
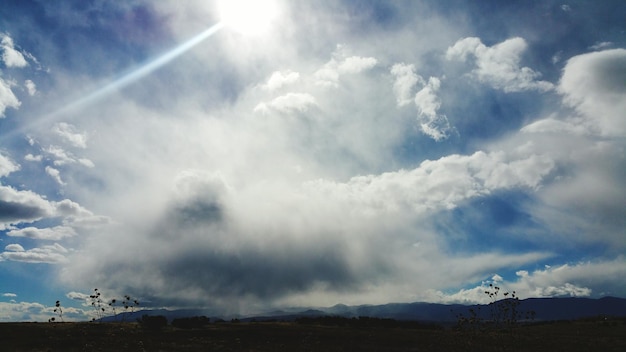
<point x="250" y="17"/>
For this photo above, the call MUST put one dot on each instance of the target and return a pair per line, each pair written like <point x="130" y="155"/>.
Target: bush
<point x="153" y="323"/>
<point x="190" y="323"/>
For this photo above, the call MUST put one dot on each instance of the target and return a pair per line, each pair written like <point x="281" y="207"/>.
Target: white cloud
<point x="560" y="281"/>
<point x="8" y="294"/>
<point x="31" y="157"/>
<point x="69" y="133"/>
<point x="63" y="157"/>
<point x="10" y="56"/>
<point x="53" y="254"/>
<point x="52" y="233"/>
<point x="55" y="174"/>
<point x="356" y="64"/>
<point x="280" y="79"/>
<point x="593" y="84"/>
<point x="341" y="64"/>
<point x="432" y="123"/>
<point x="438" y="184"/>
<point x="288" y="103"/>
<point x="7" y="166"/>
<point x="601" y="45"/>
<point x="7" y="98"/>
<point x="31" y="87"/>
<point x="405" y="80"/>
<point x="22" y="206"/>
<point x="14" y="247"/>
<point x="499" y="65"/>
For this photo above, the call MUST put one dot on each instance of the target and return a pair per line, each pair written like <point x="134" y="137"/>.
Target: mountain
<point x="545" y="309"/>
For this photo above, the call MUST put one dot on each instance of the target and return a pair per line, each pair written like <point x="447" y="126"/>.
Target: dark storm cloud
<point x="18" y="212"/>
<point x="260" y="273"/>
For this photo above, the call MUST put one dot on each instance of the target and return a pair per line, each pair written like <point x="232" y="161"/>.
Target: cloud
<point x="55" y="174"/>
<point x="52" y="254"/>
<point x="14" y="248"/>
<point x="22" y="206"/>
<point x="7" y="98"/>
<point x="69" y="133"/>
<point x="432" y="123"/>
<point x="280" y="79"/>
<point x="52" y="233"/>
<point x="7" y="166"/>
<point x="226" y="243"/>
<point x="31" y="157"/>
<point x="9" y="294"/>
<point x="560" y="281"/>
<point x="10" y="56"/>
<point x="601" y="45"/>
<point x="63" y="157"/>
<point x="341" y="64"/>
<point x="288" y="103"/>
<point x="31" y="87"/>
<point x="593" y="84"/>
<point x="405" y="80"/>
<point x="499" y="65"/>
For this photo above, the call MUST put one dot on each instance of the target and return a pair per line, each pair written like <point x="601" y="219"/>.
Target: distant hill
<point x="546" y="309"/>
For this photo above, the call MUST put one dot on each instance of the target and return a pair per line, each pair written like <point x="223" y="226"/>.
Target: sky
<point x="309" y="153"/>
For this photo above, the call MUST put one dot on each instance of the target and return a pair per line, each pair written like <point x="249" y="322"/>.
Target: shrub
<point x="152" y="322"/>
<point x="190" y="323"/>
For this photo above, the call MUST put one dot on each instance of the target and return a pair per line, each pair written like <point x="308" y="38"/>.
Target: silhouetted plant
<point x="58" y="310"/>
<point x="129" y="303"/>
<point x="96" y="303"/>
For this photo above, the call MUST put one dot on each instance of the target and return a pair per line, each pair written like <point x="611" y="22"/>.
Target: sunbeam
<point x="127" y="79"/>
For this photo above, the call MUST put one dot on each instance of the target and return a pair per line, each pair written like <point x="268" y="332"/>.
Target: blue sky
<point x="323" y="152"/>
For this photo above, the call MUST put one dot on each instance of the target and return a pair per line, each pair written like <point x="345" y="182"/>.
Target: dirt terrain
<point x="276" y="336"/>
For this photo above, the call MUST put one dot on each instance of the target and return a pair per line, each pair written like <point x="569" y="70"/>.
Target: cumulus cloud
<point x="7" y="166"/>
<point x="341" y="64"/>
<point x="405" y="80"/>
<point x="31" y="157"/>
<point x="11" y="56"/>
<point x="62" y="157"/>
<point x="593" y="84"/>
<point x="432" y="123"/>
<point x="7" y="98"/>
<point x="499" y="65"/>
<point x="8" y="294"/>
<point x="55" y="174"/>
<point x="288" y="103"/>
<point x="22" y="206"/>
<point x="52" y="254"/>
<point x="280" y="79"/>
<point x="31" y="87"/>
<point x="14" y="247"/>
<point x="52" y="233"/>
<point x="560" y="281"/>
<point x="70" y="134"/>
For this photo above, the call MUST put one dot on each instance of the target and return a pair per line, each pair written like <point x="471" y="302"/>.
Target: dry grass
<point x="561" y="336"/>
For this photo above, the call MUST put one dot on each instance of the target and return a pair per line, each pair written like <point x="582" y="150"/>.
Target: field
<point x="276" y="336"/>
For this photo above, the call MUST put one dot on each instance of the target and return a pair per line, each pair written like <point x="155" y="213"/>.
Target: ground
<point x="594" y="335"/>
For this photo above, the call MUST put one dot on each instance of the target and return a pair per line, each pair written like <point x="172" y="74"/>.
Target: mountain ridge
<point x="545" y="309"/>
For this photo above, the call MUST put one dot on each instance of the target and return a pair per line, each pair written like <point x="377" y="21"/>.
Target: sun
<point x="250" y="17"/>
